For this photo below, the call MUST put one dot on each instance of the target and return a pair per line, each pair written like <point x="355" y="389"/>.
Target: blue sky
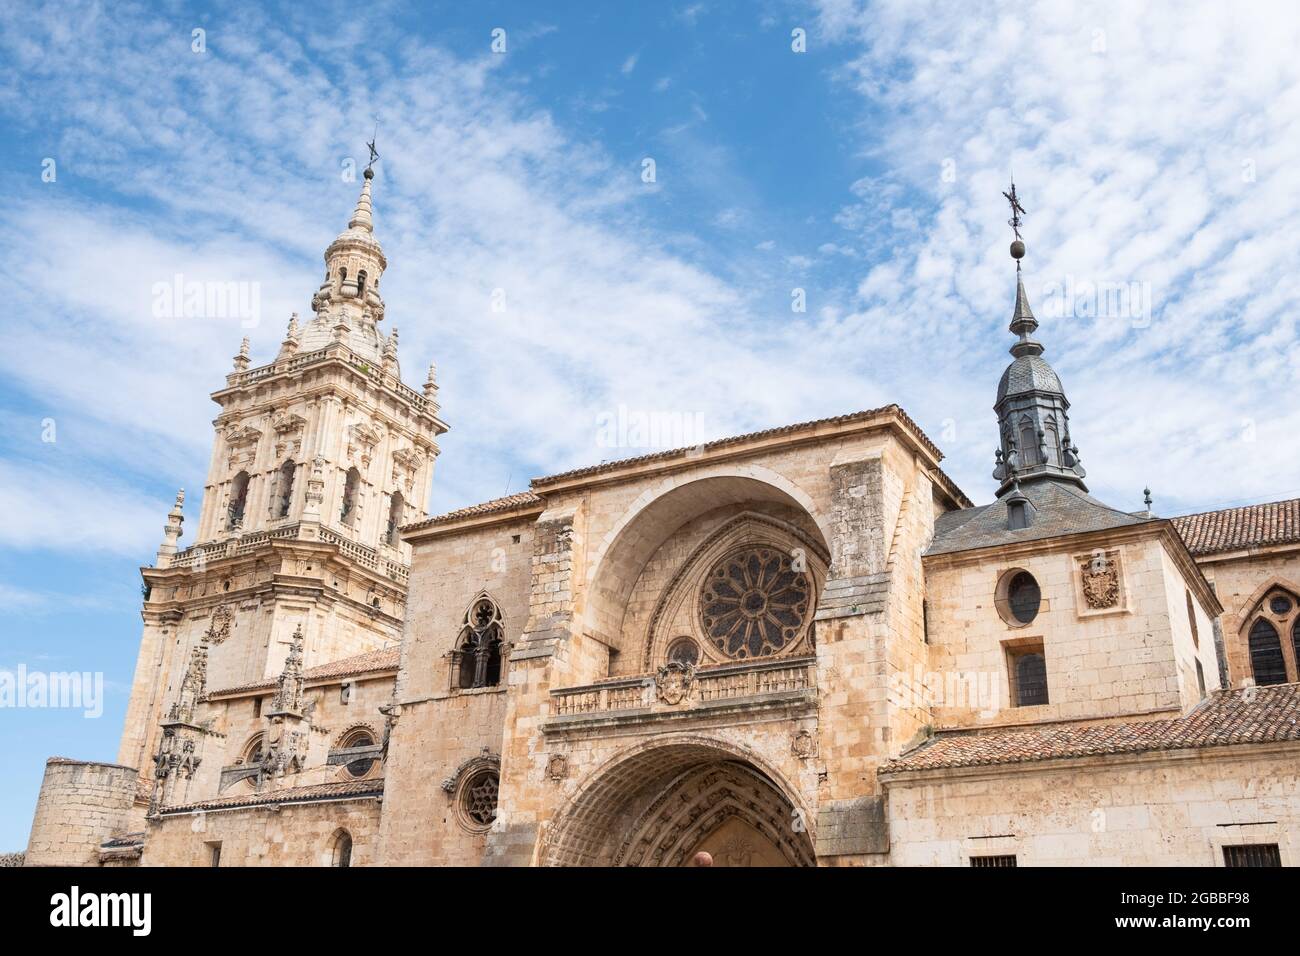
<point x="1156" y="148"/>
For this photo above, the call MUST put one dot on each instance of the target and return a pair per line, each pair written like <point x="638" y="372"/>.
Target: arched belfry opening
<point x="663" y="804"/>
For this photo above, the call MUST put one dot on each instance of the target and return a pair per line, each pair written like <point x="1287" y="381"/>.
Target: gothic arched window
<point x="1271" y="660"/>
<point x="284" y="489"/>
<point x="1266" y="661"/>
<point x="347" y="512"/>
<point x="477" y="659"/>
<point x="238" y="501"/>
<point x="396" y="508"/>
<point x="342" y="853"/>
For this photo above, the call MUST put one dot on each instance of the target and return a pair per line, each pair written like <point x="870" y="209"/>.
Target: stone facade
<point x="803" y="646"/>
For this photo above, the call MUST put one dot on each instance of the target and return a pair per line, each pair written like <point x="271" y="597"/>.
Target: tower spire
<point x="1031" y="405"/>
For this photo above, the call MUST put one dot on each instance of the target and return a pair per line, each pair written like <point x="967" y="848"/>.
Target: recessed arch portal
<point x="658" y="512"/>
<point x="662" y="802"/>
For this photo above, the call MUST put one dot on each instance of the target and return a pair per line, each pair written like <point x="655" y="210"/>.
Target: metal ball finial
<point x="1017" y="250"/>
<point x="369" y="173"/>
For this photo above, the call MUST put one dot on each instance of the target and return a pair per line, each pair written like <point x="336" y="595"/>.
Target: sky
<point x="719" y="216"/>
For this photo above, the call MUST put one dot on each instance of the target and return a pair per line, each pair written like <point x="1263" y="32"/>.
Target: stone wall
<point x="1168" y="809"/>
<point x="1130" y="659"/>
<point x="80" y="805"/>
<point x="293" y="835"/>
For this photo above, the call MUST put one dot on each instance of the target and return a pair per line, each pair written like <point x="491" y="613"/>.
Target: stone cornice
<point x="337" y="356"/>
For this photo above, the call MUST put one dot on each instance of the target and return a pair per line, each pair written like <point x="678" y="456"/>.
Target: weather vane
<point x="374" y="155"/>
<point x="1017" y="210"/>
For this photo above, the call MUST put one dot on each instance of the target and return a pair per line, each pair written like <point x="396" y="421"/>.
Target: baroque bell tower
<point x="319" y="456"/>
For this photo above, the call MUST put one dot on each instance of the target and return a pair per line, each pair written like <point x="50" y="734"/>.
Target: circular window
<point x="684" y="651"/>
<point x="478" y="799"/>
<point x="1279" y="604"/>
<point x="361" y="766"/>
<point x="1019" y="598"/>
<point x="754" y="603"/>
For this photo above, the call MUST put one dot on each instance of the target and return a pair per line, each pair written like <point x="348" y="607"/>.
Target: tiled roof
<point x="525" y="498"/>
<point x="1060" y="508"/>
<point x="1028" y="373"/>
<point x="737" y="439"/>
<point x="384" y="659"/>
<point x="1243" y="716"/>
<point x="341" y="790"/>
<point x="1274" y="522"/>
<point x="495" y="506"/>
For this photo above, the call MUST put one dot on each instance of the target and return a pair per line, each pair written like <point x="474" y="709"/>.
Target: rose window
<point x="479" y="799"/>
<point x="754" y="603"/>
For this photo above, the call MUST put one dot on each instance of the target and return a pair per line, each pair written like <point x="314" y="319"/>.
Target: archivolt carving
<point x="695" y="803"/>
<point x="749" y="528"/>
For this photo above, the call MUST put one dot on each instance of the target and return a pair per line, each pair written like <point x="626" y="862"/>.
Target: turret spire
<point x="1031" y="404"/>
<point x="361" y="216"/>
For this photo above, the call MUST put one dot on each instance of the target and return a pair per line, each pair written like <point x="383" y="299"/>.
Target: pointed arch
<point x="597" y="828"/>
<point x="1270" y="630"/>
<point x="746" y="528"/>
<point x="477" y="658"/>
<point x="341" y="848"/>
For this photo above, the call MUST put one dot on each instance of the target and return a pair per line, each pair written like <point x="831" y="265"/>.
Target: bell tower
<point x="319" y="456"/>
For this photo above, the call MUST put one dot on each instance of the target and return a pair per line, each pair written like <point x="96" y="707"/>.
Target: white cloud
<point x="1133" y="132"/>
<point x="47" y="509"/>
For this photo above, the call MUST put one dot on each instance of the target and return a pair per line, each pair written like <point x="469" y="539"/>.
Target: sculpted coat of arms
<point x="1100" y="576"/>
<point x="673" y="682"/>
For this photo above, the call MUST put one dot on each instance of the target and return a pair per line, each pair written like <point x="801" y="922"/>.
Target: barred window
<point x="1252" y="854"/>
<point x="1028" y="667"/>
<point x="1004" y="860"/>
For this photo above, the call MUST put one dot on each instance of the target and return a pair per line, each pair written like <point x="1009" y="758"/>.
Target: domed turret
<point x="354" y="263"/>
<point x="1031" y="405"/>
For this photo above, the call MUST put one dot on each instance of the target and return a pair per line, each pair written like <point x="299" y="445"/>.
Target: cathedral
<point x="799" y="647"/>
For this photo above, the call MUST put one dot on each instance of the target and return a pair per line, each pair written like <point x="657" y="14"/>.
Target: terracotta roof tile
<point x="1243" y="716"/>
<point x="495" y="506"/>
<point x="1274" y="522"/>
<point x="526" y="498"/>
<point x="384" y="659"/>
<point x="322" y="791"/>
<point x="735" y="439"/>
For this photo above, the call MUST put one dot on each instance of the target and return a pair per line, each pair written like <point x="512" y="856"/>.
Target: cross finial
<point x="1017" y="210"/>
<point x="374" y="154"/>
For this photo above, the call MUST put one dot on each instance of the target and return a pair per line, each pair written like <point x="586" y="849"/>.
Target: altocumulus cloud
<point x="1156" y="144"/>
